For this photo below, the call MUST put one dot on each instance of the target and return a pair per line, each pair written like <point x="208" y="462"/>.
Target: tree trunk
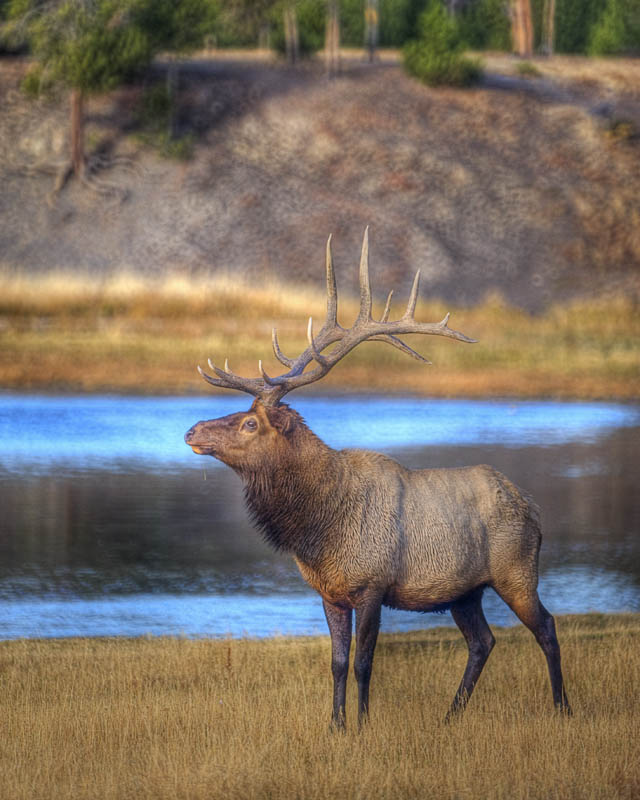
<point x="332" y="39"/>
<point x="522" y="27"/>
<point x="371" y="28"/>
<point x="291" y="40"/>
<point x="549" y="26"/>
<point x="264" y="36"/>
<point x="77" y="132"/>
<point x="172" y="86"/>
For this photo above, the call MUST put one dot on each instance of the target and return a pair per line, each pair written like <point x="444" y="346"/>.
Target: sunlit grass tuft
<point x="176" y="718"/>
<point x="135" y="333"/>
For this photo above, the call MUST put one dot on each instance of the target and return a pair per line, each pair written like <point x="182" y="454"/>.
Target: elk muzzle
<point x="201" y="438"/>
<point x="225" y="438"/>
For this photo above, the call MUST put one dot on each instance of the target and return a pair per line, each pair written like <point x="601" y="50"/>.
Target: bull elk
<point x="366" y="532"/>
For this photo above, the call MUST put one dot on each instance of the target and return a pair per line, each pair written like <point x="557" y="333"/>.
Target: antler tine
<point x="365" y="288"/>
<point x="288" y="362"/>
<point x="387" y="308"/>
<point x="226" y="374"/>
<point x="219" y="372"/>
<point x="332" y="291"/>
<point x="267" y="378"/>
<point x="413" y="298"/>
<point x="446" y="331"/>
<point x="230" y="380"/>
<point x="316" y="355"/>
<point x="389" y="339"/>
<point x="434" y="328"/>
<point x="209" y="379"/>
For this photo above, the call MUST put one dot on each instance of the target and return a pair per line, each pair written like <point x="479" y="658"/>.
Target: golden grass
<point x="614" y="74"/>
<point x="135" y="334"/>
<point x="174" y="718"/>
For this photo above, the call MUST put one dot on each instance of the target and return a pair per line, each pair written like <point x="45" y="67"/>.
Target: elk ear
<point x="282" y="419"/>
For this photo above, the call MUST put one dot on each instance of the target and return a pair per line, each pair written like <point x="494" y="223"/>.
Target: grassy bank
<point x="174" y="718"/>
<point x="132" y="334"/>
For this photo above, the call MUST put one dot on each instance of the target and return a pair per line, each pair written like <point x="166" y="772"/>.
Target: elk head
<point x="244" y="441"/>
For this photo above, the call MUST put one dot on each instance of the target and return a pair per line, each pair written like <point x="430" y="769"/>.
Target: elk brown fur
<point x="367" y="532"/>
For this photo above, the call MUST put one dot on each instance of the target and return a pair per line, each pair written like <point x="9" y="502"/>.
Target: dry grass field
<point x="614" y="74"/>
<point x="177" y="718"/>
<point x="131" y="334"/>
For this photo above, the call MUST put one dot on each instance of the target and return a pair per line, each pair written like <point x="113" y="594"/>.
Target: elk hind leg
<point x="530" y="611"/>
<point x="469" y="617"/>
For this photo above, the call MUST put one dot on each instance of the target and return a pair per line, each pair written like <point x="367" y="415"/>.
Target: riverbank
<point x="132" y="334"/>
<point x="179" y="718"/>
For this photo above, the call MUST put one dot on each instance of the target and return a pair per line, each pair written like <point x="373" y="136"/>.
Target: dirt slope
<point x="529" y="189"/>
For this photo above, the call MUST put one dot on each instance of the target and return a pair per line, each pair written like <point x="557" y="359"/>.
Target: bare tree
<point x="522" y="27"/>
<point x="548" y="26"/>
<point x="291" y="35"/>
<point x="371" y="28"/>
<point x="77" y="132"/>
<point x="332" y="38"/>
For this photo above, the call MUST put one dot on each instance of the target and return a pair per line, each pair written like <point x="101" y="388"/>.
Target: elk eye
<point x="249" y="425"/>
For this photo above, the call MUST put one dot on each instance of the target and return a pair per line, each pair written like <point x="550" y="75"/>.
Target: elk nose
<point x="189" y="435"/>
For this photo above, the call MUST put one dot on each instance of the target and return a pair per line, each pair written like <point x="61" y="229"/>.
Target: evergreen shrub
<point x="617" y="30"/>
<point x="484" y="25"/>
<point x="436" y="57"/>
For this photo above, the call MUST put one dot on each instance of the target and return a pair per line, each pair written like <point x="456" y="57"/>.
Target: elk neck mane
<point x="294" y="497"/>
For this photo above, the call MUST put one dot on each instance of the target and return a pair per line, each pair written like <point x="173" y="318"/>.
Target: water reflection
<point x="110" y="525"/>
<point x="575" y="590"/>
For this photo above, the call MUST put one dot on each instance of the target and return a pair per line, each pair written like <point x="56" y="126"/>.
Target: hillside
<point x="528" y="187"/>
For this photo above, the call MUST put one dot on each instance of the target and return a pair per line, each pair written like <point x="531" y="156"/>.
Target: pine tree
<point x="85" y="46"/>
<point x="436" y="56"/>
<point x="617" y="30"/>
<point x="92" y="46"/>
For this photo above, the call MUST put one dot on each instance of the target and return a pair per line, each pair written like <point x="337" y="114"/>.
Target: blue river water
<point x="95" y="431"/>
<point x="110" y="525"/>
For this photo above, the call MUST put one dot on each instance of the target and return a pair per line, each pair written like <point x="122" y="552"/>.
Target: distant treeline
<point x="581" y="26"/>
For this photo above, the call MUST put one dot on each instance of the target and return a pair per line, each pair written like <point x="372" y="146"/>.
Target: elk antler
<point x="271" y="390"/>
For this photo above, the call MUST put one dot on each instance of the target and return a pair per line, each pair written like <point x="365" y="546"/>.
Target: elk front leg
<point x="340" y="624"/>
<point x="367" y="627"/>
